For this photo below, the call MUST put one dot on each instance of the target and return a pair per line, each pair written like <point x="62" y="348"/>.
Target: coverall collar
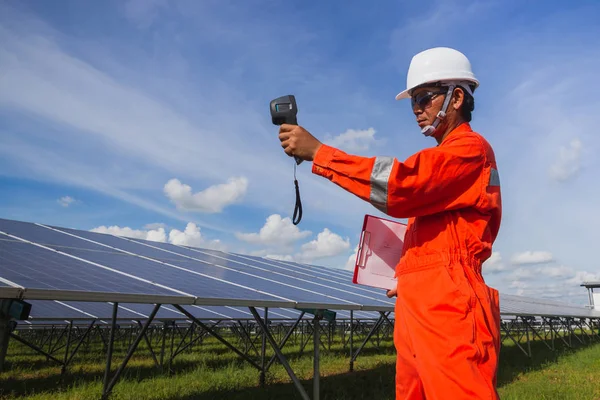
<point x="464" y="127"/>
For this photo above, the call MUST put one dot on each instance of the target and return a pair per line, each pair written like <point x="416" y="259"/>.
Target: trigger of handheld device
<point x="284" y="111"/>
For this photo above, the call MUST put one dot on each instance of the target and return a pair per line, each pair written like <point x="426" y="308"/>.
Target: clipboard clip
<point x="365" y="238"/>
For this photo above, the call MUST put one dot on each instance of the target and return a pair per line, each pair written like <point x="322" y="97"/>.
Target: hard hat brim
<point x="403" y="95"/>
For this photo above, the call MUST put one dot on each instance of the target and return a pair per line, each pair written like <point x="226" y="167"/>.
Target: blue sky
<point x="150" y="118"/>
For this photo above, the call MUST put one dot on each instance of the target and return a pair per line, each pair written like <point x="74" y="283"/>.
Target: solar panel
<point x="281" y="277"/>
<point x="49" y="310"/>
<point x="88" y="266"/>
<point x="209" y="287"/>
<point x="191" y="275"/>
<point x="342" y="279"/>
<point x="519" y="305"/>
<point x="34" y="267"/>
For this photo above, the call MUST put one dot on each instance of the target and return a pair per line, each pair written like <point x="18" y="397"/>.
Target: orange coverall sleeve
<point x="445" y="177"/>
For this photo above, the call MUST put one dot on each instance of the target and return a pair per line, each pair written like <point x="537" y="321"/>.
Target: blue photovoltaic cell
<point x="281" y="281"/>
<point x="323" y="274"/>
<point x="173" y="277"/>
<point x="36" y="268"/>
<point x="329" y="274"/>
<point x="33" y="233"/>
<point x="168" y="312"/>
<point x="185" y="281"/>
<point x="329" y="283"/>
<point x="47" y="309"/>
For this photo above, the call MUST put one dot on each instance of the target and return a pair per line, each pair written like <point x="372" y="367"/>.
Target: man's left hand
<point x="297" y="141"/>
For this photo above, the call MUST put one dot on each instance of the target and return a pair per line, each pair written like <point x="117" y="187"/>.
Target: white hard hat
<point x="440" y="64"/>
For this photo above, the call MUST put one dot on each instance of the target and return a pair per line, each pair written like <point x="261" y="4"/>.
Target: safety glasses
<point x="423" y="98"/>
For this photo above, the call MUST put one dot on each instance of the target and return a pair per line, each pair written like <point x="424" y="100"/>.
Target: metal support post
<point x="351" y="340"/>
<point x="109" y="351"/>
<point x="85" y="335"/>
<point x="164" y="341"/>
<point x="369" y="335"/>
<point x="64" y="366"/>
<point x="4" y="338"/>
<point x="34" y="347"/>
<point x="316" y="345"/>
<point x="217" y="336"/>
<point x="280" y="355"/>
<point x="263" y="351"/>
<point x="285" y="339"/>
<point x="132" y="348"/>
<point x="149" y="344"/>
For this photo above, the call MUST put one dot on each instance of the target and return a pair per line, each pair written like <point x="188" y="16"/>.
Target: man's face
<point x="426" y="103"/>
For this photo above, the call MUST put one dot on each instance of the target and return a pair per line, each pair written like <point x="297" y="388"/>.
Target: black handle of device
<point x="284" y="111"/>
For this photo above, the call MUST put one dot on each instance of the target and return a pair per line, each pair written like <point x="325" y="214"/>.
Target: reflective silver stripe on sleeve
<point x="494" y="177"/>
<point x="379" y="182"/>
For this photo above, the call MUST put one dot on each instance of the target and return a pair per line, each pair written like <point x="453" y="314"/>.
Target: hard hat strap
<point x="429" y="130"/>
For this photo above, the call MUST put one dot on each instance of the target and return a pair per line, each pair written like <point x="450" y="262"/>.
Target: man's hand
<point x="297" y="141"/>
<point x="391" y="293"/>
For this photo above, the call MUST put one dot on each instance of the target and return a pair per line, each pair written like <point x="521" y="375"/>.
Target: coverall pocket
<point x="436" y="300"/>
<point x="459" y="282"/>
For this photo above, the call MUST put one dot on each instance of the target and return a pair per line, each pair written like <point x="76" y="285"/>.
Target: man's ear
<point x="458" y="98"/>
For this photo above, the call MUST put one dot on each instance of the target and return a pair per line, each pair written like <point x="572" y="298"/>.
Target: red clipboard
<point x="379" y="251"/>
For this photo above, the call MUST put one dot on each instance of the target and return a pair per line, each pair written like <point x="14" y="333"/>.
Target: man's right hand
<point x="391" y="293"/>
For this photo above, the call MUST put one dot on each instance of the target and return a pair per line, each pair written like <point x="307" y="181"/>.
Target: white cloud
<point x="523" y="273"/>
<point x="353" y="141"/>
<point x="584" y="276"/>
<point x="327" y="244"/>
<point x="538" y="273"/>
<point x="191" y="236"/>
<point x="281" y="257"/>
<point x="210" y="200"/>
<point x="568" y="161"/>
<point x="531" y="257"/>
<point x="556" y="271"/>
<point x="519" y="287"/>
<point x="276" y="232"/>
<point x="156" y="235"/>
<point x="351" y="262"/>
<point x="66" y="201"/>
<point x="493" y="264"/>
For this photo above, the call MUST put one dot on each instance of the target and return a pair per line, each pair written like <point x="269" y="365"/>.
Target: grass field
<point x="212" y="371"/>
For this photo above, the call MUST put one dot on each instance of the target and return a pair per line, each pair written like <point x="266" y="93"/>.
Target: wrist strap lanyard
<point x="298" y="206"/>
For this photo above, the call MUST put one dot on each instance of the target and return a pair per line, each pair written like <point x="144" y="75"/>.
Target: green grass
<point x="212" y="371"/>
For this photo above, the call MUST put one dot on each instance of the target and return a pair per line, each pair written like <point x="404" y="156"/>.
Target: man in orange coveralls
<point x="447" y="320"/>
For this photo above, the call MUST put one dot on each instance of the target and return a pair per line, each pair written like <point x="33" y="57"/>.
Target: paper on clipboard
<point x="379" y="252"/>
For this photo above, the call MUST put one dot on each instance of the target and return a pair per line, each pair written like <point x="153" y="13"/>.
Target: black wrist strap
<point x="298" y="206"/>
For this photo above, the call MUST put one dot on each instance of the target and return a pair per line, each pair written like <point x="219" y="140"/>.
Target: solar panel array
<point x="70" y="265"/>
<point x="75" y="274"/>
